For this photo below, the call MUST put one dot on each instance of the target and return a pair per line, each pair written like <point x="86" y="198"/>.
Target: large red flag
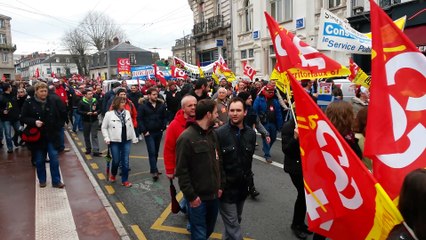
<point x="291" y="52"/>
<point x="343" y="199"/>
<point x="159" y="75"/>
<point x="37" y="73"/>
<point x="178" y="73"/>
<point x="248" y="71"/>
<point x="395" y="136"/>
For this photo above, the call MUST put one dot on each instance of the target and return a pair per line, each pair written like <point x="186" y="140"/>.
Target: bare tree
<point x="78" y="46"/>
<point x="101" y="29"/>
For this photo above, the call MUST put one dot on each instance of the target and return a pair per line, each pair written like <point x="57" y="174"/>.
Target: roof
<point x="125" y="47"/>
<point x="5" y="17"/>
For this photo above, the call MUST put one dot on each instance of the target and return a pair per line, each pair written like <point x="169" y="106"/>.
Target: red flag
<point x="395" y="134"/>
<point x="53" y="74"/>
<point x="123" y="66"/>
<point x="343" y="199"/>
<point x="178" y="73"/>
<point x="139" y="85"/>
<point x="353" y="67"/>
<point x="291" y="52"/>
<point x="248" y="71"/>
<point x="37" y="73"/>
<point x="159" y="75"/>
<point x="3" y="78"/>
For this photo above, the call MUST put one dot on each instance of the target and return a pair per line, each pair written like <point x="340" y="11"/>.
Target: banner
<point x="358" y="76"/>
<point x="304" y="61"/>
<point x="192" y="70"/>
<point x="147" y="72"/>
<point x="343" y="200"/>
<point x="395" y="133"/>
<point x="248" y="71"/>
<point x="123" y="66"/>
<point x="336" y="34"/>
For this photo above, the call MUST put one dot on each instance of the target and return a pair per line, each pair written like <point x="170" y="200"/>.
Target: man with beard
<point x="237" y="142"/>
<point x="173" y="98"/>
<point x="199" y="170"/>
<point x="201" y="89"/>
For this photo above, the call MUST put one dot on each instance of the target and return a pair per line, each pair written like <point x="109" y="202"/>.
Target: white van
<point x="106" y="84"/>
<point x="348" y="88"/>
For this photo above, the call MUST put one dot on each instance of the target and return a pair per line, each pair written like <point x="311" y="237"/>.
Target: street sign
<point x="219" y="42"/>
<point x="300" y="23"/>
<point x="255" y="35"/>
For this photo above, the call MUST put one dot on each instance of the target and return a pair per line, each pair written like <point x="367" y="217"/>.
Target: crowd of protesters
<point x="209" y="143"/>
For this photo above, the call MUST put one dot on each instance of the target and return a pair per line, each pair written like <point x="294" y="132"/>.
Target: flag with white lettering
<point x="343" y="199"/>
<point x="358" y="76"/>
<point x="159" y="75"/>
<point x="178" y="73"/>
<point x="395" y="134"/>
<point x="294" y="54"/>
<point x="248" y="70"/>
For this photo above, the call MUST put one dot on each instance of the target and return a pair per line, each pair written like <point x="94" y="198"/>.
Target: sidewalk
<point x="79" y="211"/>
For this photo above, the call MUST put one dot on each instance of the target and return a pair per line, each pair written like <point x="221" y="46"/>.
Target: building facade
<point x="212" y="30"/>
<point x="184" y="49"/>
<point x="48" y="65"/>
<point x="7" y="49"/>
<point x="103" y="64"/>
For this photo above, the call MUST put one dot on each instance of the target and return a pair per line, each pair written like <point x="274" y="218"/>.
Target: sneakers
<point x="96" y="154"/>
<point x="112" y="178"/>
<point x="127" y="184"/>
<point x="254" y="193"/>
<point x="298" y="232"/>
<point x="88" y="151"/>
<point x="268" y="159"/>
<point x="156" y="175"/>
<point x="10" y="151"/>
<point x="43" y="185"/>
<point x="59" y="185"/>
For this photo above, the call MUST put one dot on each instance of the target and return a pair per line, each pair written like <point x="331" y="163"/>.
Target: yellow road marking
<point x="121" y="207"/>
<point x="79" y="144"/>
<point x="109" y="189"/>
<point x="158" y="224"/>
<point x="88" y="157"/>
<point x="101" y="176"/>
<point x="138" y="232"/>
<point x="94" y="166"/>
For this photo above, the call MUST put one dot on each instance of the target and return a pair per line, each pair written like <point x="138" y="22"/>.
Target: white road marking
<point x="262" y="159"/>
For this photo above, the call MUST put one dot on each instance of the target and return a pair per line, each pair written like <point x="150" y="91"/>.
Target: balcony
<point x="8" y="47"/>
<point x="215" y="23"/>
<point x="199" y="28"/>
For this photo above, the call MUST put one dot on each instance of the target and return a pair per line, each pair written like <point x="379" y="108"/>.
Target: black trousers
<point x="300" y="204"/>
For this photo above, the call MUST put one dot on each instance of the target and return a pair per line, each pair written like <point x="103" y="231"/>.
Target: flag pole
<point x="289" y="99"/>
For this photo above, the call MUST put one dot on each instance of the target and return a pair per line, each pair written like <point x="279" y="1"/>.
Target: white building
<point x="251" y="40"/>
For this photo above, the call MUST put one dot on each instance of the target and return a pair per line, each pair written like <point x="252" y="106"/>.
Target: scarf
<point x="43" y="102"/>
<point x="122" y="116"/>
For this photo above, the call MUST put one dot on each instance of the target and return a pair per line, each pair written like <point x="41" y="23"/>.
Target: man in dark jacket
<point x="199" y="170"/>
<point x="152" y="122"/>
<point x="237" y="142"/>
<point x="9" y="115"/>
<point x="173" y="98"/>
<point x="293" y="166"/>
<point x="89" y="109"/>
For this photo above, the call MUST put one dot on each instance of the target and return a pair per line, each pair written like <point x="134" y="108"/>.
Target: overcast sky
<point x="151" y="25"/>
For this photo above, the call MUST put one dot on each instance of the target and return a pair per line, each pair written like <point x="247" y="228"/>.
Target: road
<point x="144" y="208"/>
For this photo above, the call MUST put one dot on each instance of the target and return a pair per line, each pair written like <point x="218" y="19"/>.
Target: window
<point x="281" y="10"/>
<point x="251" y="53"/>
<point x="57" y="60"/>
<point x="58" y="71"/>
<point x="243" y="54"/>
<point x="67" y="60"/>
<point x="2" y="23"/>
<point x="2" y="38"/>
<point x="248" y="15"/>
<point x="4" y="57"/>
<point x="132" y="59"/>
<point x="333" y="3"/>
<point x="218" y="7"/>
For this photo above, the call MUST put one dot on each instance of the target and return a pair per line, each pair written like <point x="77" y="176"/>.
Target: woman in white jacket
<point x="119" y="133"/>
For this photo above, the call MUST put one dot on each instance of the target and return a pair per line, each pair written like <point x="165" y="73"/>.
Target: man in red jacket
<point x="176" y="127"/>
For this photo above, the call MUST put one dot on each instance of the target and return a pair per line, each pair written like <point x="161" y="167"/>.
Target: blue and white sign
<point x="142" y="72"/>
<point x="256" y="35"/>
<point x="219" y="42"/>
<point x="337" y="35"/>
<point x="300" y="23"/>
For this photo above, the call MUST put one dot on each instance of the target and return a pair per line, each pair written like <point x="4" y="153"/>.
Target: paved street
<point x="144" y="208"/>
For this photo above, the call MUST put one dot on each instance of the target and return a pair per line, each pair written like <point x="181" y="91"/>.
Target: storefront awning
<point x="417" y="36"/>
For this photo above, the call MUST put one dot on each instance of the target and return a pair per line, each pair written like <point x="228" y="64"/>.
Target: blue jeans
<point x="1" y="131"/>
<point x="40" y="158"/>
<point x="77" y="121"/>
<point x="153" y="141"/>
<point x="120" y="152"/>
<point x="7" y="126"/>
<point x="272" y="129"/>
<point x="203" y="219"/>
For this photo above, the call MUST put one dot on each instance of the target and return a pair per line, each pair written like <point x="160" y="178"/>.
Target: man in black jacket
<point x="152" y="122"/>
<point x="9" y="115"/>
<point x="199" y="170"/>
<point x="89" y="109"/>
<point x="237" y="143"/>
